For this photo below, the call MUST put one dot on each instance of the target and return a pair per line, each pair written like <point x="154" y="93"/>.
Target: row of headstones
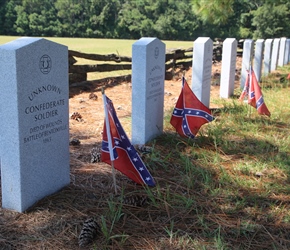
<point x="148" y="87"/>
<point x="34" y="107"/>
<point x="267" y="56"/>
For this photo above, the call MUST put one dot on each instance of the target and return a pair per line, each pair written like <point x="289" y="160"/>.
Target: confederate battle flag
<point x="125" y="157"/>
<point x="189" y="113"/>
<point x="253" y="91"/>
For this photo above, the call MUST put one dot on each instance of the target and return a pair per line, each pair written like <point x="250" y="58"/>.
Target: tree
<point x="213" y="11"/>
<point x="165" y="19"/>
<point x="36" y="18"/>
<point x="8" y="16"/>
<point x="271" y="20"/>
<point x="104" y="18"/>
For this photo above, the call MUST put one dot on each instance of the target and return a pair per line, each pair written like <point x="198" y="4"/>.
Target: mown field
<point x="229" y="188"/>
<point x="102" y="46"/>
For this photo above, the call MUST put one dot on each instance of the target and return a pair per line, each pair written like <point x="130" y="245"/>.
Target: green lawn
<point x="102" y="46"/>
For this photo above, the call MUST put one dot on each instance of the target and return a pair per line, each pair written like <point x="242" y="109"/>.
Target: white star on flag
<point x="124" y="155"/>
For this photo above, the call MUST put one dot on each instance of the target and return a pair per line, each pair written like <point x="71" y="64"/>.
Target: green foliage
<point x="131" y="19"/>
<point x="171" y="20"/>
<point x="215" y="11"/>
<point x="272" y="20"/>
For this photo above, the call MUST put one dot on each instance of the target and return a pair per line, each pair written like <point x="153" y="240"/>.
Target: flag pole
<point x="251" y="81"/>
<point x="109" y="139"/>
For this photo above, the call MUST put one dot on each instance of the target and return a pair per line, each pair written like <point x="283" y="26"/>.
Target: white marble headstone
<point x="287" y="52"/>
<point x="148" y="74"/>
<point x="275" y="54"/>
<point x="246" y="60"/>
<point x="34" y="126"/>
<point x="258" y="58"/>
<point x="227" y="82"/>
<point x="267" y="56"/>
<point x="282" y="51"/>
<point x="201" y="69"/>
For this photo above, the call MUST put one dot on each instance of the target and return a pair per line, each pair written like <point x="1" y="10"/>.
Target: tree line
<point x="132" y="19"/>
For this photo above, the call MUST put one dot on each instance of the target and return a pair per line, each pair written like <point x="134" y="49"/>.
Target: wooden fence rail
<point x="175" y="59"/>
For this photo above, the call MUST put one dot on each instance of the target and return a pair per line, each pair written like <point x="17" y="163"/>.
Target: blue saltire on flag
<point x="189" y="113"/>
<point x="126" y="158"/>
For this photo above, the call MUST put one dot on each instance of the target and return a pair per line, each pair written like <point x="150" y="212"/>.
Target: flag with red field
<point x="189" y="113"/>
<point x="252" y="89"/>
<point x="126" y="159"/>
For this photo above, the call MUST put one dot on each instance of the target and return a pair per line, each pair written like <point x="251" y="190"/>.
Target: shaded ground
<point x="55" y="222"/>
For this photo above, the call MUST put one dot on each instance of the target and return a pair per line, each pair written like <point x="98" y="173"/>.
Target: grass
<point x="101" y="46"/>
<point x="229" y="188"/>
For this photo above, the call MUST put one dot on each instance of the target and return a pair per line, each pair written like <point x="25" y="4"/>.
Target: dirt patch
<point x="55" y="222"/>
<point x="92" y="109"/>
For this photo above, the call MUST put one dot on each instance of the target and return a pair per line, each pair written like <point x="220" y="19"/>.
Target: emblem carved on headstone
<point x="45" y="64"/>
<point x="156" y="52"/>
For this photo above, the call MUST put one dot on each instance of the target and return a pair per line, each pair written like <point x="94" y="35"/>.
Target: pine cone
<point x="76" y="116"/>
<point x="95" y="155"/>
<point x="135" y="200"/>
<point x="89" y="232"/>
<point x="75" y="142"/>
<point x="143" y="149"/>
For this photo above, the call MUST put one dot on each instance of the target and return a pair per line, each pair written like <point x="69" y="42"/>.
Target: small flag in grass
<point x="252" y="89"/>
<point x="189" y="113"/>
<point x="124" y="155"/>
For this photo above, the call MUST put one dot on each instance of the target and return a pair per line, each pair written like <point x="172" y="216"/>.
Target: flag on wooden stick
<point x="252" y="89"/>
<point x="123" y="154"/>
<point x="189" y="113"/>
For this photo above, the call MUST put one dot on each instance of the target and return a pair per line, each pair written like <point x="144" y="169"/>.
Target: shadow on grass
<point x="190" y="207"/>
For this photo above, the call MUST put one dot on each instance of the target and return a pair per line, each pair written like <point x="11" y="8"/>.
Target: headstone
<point x="282" y="51"/>
<point x="228" y="69"/>
<point x="201" y="69"/>
<point x="287" y="52"/>
<point x="34" y="126"/>
<point x="275" y="50"/>
<point x="258" y="58"/>
<point x="148" y="74"/>
<point x="267" y="56"/>
<point x="246" y="60"/>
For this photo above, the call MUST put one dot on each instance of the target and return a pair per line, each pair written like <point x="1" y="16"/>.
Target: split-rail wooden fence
<point x="175" y="60"/>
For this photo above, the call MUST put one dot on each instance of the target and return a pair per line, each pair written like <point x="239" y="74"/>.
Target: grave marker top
<point x="247" y="59"/>
<point x="148" y="74"/>
<point x="258" y="58"/>
<point x="275" y="54"/>
<point x="287" y="52"/>
<point x="267" y="56"/>
<point x="34" y="134"/>
<point x="282" y="51"/>
<point x="201" y="69"/>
